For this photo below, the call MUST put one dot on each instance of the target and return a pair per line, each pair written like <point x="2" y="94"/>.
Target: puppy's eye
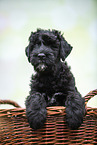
<point x="37" y="43"/>
<point x="48" y="43"/>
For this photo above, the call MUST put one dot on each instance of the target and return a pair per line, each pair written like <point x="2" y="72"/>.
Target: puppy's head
<point x="46" y="48"/>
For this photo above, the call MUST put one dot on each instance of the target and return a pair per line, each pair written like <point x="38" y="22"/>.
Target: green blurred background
<point x="77" y="19"/>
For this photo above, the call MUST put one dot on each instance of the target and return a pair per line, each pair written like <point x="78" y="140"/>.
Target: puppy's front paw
<point x="74" y="119"/>
<point x="37" y="119"/>
<point x="73" y="123"/>
<point x="36" y="110"/>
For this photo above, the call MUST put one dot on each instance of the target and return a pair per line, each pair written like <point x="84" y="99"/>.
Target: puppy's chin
<point x="41" y="67"/>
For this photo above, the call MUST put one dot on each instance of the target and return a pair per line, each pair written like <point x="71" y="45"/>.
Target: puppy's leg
<point x="36" y="110"/>
<point x="75" y="109"/>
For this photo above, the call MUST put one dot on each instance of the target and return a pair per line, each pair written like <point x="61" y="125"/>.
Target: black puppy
<point x="53" y="84"/>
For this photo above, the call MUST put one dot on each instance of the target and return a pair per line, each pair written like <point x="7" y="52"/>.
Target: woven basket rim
<point x="50" y="110"/>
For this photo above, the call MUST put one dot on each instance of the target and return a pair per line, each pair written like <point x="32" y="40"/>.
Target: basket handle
<point x="90" y="95"/>
<point x="10" y="103"/>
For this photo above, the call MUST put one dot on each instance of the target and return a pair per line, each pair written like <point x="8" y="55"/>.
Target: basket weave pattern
<point x="14" y="128"/>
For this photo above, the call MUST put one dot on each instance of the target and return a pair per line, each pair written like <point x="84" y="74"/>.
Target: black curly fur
<point x="53" y="84"/>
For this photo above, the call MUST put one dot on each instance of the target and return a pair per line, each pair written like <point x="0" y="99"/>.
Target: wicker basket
<point x="14" y="128"/>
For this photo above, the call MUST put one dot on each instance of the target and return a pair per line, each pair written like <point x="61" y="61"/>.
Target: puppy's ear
<point x="65" y="49"/>
<point x="27" y="51"/>
<point x="28" y="48"/>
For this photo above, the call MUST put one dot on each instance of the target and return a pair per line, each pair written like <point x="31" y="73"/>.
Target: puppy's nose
<point x="41" y="55"/>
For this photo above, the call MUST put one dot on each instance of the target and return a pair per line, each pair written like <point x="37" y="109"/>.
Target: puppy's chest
<point x="50" y="85"/>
